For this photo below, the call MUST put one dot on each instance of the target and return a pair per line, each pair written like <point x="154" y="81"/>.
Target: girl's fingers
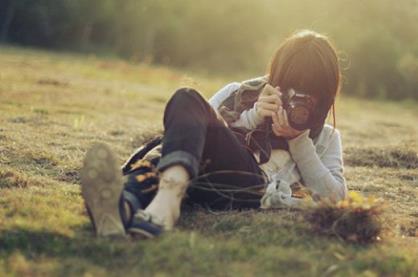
<point x="279" y="101"/>
<point x="280" y="116"/>
<point x="275" y="118"/>
<point x="281" y="126"/>
<point x="279" y="130"/>
<point x="268" y="106"/>
<point x="267" y="90"/>
<point x="278" y="91"/>
<point x="285" y="119"/>
<point x="275" y="131"/>
<point x="270" y="99"/>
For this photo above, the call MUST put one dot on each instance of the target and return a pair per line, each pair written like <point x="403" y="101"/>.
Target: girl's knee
<point x="186" y="97"/>
<point x="187" y="93"/>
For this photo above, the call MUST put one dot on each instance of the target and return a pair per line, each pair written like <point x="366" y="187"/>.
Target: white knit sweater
<point x="318" y="163"/>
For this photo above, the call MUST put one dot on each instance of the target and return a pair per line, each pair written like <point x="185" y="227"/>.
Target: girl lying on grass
<point x="244" y="148"/>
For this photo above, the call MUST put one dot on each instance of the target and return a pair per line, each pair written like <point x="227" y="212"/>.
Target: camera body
<point x="299" y="108"/>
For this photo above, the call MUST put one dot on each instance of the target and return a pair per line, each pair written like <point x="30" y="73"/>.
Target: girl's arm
<point x="324" y="176"/>
<point x="221" y="95"/>
<point x="249" y="119"/>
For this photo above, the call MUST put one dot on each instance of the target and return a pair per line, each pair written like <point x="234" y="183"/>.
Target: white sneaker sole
<point x="101" y="187"/>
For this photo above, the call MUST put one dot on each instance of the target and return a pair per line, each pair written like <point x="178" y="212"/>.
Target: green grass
<point x="53" y="106"/>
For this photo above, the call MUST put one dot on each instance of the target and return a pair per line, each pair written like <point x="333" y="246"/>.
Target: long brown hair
<point x="307" y="61"/>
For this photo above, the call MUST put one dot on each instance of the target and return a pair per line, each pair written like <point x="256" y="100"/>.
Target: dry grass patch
<point x="381" y="157"/>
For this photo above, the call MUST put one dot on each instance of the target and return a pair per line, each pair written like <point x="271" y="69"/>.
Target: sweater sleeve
<point x="248" y="119"/>
<point x="324" y="176"/>
<point x="221" y="95"/>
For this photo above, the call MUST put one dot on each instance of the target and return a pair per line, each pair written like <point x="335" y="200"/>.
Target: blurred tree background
<point x="378" y="38"/>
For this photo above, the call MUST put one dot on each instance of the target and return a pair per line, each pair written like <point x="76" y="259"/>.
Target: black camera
<point x="299" y="108"/>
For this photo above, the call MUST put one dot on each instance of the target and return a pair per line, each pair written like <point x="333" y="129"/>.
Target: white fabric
<point x="317" y="163"/>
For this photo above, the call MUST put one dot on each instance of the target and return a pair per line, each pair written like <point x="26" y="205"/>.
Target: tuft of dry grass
<point x="355" y="219"/>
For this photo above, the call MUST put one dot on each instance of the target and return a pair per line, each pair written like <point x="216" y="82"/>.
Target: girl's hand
<point x="268" y="101"/>
<point x="281" y="127"/>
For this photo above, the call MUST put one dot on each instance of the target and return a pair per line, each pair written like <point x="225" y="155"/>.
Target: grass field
<point x="54" y="106"/>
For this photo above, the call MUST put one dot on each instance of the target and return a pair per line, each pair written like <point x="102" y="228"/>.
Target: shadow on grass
<point x="35" y="243"/>
<point x="272" y="241"/>
<point x="230" y="235"/>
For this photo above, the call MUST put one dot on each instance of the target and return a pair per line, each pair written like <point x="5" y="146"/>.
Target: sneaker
<point x="145" y="226"/>
<point x="101" y="187"/>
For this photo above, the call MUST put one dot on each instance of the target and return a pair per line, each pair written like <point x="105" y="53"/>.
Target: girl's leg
<point x="195" y="142"/>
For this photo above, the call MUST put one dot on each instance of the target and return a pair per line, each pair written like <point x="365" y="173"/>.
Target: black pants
<point x="224" y="173"/>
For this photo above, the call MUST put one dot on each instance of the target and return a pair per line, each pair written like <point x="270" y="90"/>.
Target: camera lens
<point x="299" y="115"/>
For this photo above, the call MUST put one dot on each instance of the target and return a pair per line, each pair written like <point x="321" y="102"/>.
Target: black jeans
<point x="224" y="173"/>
